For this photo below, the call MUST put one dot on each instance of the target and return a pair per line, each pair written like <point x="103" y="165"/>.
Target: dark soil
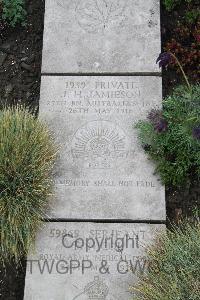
<point x="180" y="202"/>
<point x="169" y="24"/>
<point x="20" y="65"/>
<point x="12" y="281"/>
<point x="170" y="78"/>
<point x="20" y="58"/>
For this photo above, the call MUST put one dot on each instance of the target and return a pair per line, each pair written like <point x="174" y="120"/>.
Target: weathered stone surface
<point x="97" y="36"/>
<point x="102" y="171"/>
<point x="88" y="261"/>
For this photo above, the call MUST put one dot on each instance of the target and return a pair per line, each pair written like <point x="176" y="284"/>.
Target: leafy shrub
<point x="171" y="136"/>
<point x="27" y="153"/>
<point x="14" y="11"/>
<point x="192" y="16"/>
<point x="174" y="267"/>
<point x="185" y="44"/>
<point x="171" y="4"/>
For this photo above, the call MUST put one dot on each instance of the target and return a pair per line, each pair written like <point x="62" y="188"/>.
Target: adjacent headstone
<point x="102" y="171"/>
<point x="88" y="261"/>
<point x="95" y="36"/>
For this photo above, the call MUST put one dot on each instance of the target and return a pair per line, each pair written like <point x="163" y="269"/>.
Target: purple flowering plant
<point x="196" y="132"/>
<point x="165" y="58"/>
<point x="171" y="136"/>
<point x="158" y="121"/>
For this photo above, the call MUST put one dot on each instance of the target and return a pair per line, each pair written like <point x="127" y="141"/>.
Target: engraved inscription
<point x="100" y="15"/>
<point x="140" y="184"/>
<point x="96" y="289"/>
<point x="102" y="98"/>
<point x="99" y="145"/>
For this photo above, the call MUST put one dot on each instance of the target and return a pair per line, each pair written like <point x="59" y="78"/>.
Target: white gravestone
<point x="88" y="261"/>
<point x="101" y="36"/>
<point x="102" y="171"/>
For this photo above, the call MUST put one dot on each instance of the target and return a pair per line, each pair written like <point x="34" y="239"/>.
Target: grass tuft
<point x="27" y="155"/>
<point x="174" y="268"/>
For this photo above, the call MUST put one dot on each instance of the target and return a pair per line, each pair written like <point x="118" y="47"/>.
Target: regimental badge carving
<point x="99" y="145"/>
<point x="95" y="290"/>
<point x="100" y="15"/>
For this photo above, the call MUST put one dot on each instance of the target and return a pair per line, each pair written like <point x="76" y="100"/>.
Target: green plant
<point x="174" y="267"/>
<point x="192" y="16"/>
<point x="171" y="4"/>
<point x="27" y="153"/>
<point x="171" y="137"/>
<point x="165" y="59"/>
<point x="14" y="11"/>
<point x="186" y="47"/>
